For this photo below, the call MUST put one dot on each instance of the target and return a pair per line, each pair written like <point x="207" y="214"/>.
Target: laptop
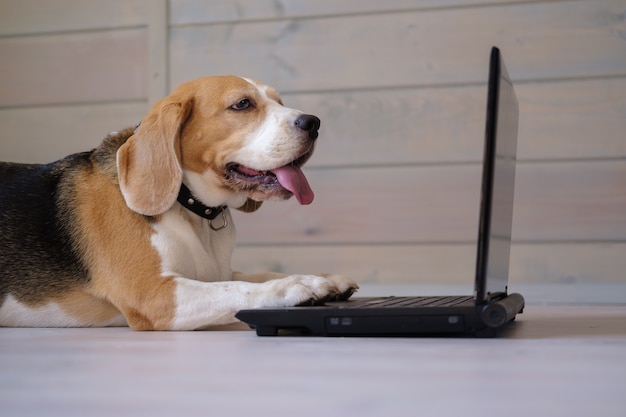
<point x="481" y="314"/>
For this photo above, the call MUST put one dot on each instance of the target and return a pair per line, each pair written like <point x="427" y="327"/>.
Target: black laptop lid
<point x="498" y="184"/>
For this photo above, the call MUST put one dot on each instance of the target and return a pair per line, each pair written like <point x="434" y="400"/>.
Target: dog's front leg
<point x="257" y="277"/>
<point x="202" y="304"/>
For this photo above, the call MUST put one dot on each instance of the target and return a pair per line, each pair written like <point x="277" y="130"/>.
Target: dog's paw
<point x="346" y="286"/>
<point x="307" y="290"/>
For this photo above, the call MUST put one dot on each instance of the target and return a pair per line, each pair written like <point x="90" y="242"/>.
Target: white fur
<point x="203" y="186"/>
<point x="188" y="247"/>
<point x="15" y="314"/>
<point x="274" y="143"/>
<point x="214" y="303"/>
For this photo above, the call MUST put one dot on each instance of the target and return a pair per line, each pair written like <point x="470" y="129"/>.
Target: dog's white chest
<point x="188" y="247"/>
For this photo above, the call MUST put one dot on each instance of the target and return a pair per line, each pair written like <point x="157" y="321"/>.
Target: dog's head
<point x="229" y="139"/>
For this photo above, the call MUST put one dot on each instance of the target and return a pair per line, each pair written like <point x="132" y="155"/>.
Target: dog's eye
<point x="241" y="104"/>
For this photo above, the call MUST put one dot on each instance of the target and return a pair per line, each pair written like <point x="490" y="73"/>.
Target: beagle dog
<point x="138" y="231"/>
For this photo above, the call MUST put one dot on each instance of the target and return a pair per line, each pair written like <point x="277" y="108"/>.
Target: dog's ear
<point x="148" y="164"/>
<point x="250" y="206"/>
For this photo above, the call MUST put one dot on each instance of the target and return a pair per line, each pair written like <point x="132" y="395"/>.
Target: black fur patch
<point x="39" y="253"/>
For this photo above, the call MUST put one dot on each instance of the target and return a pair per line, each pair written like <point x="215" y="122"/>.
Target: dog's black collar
<point x="193" y="204"/>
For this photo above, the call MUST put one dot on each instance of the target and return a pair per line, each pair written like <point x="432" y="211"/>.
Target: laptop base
<point x="355" y="318"/>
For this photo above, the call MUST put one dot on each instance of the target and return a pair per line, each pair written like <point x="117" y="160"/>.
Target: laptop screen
<point x="498" y="184"/>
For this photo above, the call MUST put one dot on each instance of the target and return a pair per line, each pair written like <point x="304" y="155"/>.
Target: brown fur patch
<point x="213" y="130"/>
<point x="125" y="268"/>
<point x="89" y="309"/>
<point x="148" y="164"/>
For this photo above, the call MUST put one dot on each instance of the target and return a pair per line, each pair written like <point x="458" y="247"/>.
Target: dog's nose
<point x="309" y="123"/>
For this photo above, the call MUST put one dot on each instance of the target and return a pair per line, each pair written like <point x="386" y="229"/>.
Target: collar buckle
<point x="224" y="221"/>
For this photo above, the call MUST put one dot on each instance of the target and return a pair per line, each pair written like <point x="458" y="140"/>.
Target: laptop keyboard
<point x="404" y="302"/>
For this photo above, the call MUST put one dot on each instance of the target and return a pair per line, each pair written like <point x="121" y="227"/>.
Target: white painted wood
<point x="76" y="67"/>
<point x="583" y="201"/>
<point x="25" y="17"/>
<point x="432" y="125"/>
<point x="157" y="50"/>
<point x="557" y="263"/>
<point x="186" y="12"/>
<point x="577" y="119"/>
<point x="448" y="46"/>
<point x="426" y="125"/>
<point x="45" y="134"/>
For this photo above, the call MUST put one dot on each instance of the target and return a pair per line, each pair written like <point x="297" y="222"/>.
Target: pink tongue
<point x="293" y="179"/>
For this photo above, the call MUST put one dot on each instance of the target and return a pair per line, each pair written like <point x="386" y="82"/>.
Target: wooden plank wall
<point x="71" y="72"/>
<point x="400" y="87"/>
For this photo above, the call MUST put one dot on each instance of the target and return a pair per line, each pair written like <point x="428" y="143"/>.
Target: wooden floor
<point x="566" y="355"/>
